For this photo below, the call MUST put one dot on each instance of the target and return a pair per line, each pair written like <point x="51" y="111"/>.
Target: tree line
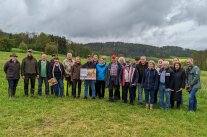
<point x="200" y="59"/>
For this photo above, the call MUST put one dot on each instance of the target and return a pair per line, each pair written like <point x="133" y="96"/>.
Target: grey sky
<point x="156" y="22"/>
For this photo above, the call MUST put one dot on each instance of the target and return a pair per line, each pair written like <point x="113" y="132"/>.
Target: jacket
<point x="75" y="71"/>
<point x="133" y="76"/>
<point x="108" y="76"/>
<point x="169" y="76"/>
<point x="101" y="70"/>
<point x="193" y="77"/>
<point x="12" y="69"/>
<point x="47" y="67"/>
<point x="141" y="68"/>
<point x="61" y="69"/>
<point x="67" y="67"/>
<point x="150" y="79"/>
<point x="29" y="66"/>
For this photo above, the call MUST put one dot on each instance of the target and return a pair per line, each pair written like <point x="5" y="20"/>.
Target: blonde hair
<point x="120" y="58"/>
<point x="152" y="62"/>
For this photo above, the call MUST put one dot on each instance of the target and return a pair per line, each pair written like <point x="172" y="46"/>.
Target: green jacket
<point x="29" y="66"/>
<point x="193" y="77"/>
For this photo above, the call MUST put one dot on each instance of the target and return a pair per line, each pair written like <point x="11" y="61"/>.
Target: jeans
<point x="12" y="86"/>
<point x="92" y="84"/>
<point x="40" y="81"/>
<point x="31" y="78"/>
<point x="192" y="100"/>
<point x="100" y="88"/>
<point x="75" y="83"/>
<point x="162" y="92"/>
<point x="59" y="88"/>
<point x="140" y="90"/>
<point x="149" y="94"/>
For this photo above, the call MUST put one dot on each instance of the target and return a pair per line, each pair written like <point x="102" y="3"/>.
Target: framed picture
<point x="88" y="74"/>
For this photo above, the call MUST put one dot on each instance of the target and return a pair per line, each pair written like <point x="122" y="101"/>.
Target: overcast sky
<point x="156" y="22"/>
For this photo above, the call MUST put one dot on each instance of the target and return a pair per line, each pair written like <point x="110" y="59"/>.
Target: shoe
<point x="85" y="97"/>
<point x="151" y="106"/>
<point x="93" y="97"/>
<point x="147" y="106"/>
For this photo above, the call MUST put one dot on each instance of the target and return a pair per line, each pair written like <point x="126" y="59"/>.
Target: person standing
<point x="12" y="70"/>
<point x="150" y="83"/>
<point x="89" y="65"/>
<point x="128" y="79"/>
<point x="101" y="69"/>
<point x="68" y="63"/>
<point x="44" y="66"/>
<point x="193" y="83"/>
<point x="51" y="64"/>
<point x="136" y="64"/>
<point x="178" y="85"/>
<point x="158" y="67"/>
<point x="112" y="80"/>
<point x="57" y="71"/>
<point x="166" y="85"/>
<point x="143" y="65"/>
<point x="29" y="72"/>
<point x="122" y="61"/>
<point x="75" y="76"/>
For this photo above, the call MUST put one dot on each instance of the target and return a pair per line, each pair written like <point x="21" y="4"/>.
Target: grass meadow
<point x="60" y="117"/>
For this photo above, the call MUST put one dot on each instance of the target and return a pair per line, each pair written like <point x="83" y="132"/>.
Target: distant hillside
<point x="132" y="50"/>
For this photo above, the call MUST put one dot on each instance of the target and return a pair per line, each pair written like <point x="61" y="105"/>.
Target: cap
<point x="13" y="55"/>
<point x="113" y="56"/>
<point x="29" y="50"/>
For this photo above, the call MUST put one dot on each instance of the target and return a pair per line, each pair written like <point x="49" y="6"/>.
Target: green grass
<point x="51" y="116"/>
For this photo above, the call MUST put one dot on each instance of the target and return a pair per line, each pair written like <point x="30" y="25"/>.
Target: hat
<point x="29" y="50"/>
<point x="53" y="55"/>
<point x="88" y="56"/>
<point x="128" y="60"/>
<point x="113" y="56"/>
<point x="13" y="55"/>
<point x="136" y="58"/>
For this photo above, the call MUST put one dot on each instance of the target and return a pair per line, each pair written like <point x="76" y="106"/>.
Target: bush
<point x="51" y="48"/>
<point x="6" y="44"/>
<point x="23" y="46"/>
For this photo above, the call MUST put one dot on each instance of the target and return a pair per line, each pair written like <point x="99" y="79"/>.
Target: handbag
<point x="52" y="81"/>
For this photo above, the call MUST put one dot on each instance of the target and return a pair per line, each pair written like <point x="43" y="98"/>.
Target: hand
<point x="23" y="77"/>
<point x="181" y="88"/>
<point x="38" y="76"/>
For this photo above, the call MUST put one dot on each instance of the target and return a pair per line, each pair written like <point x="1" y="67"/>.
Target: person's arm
<point x="171" y="80"/>
<point x="143" y="80"/>
<point x="6" y="67"/>
<point x="120" y="76"/>
<point x="156" y="80"/>
<point x="23" y="68"/>
<point x="137" y="76"/>
<point x="72" y="71"/>
<point x="37" y="68"/>
<point x="183" y="79"/>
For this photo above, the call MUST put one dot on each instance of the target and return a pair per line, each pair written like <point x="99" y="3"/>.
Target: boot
<point x="147" y="106"/>
<point x="10" y="92"/>
<point x="14" y="92"/>
<point x="151" y="106"/>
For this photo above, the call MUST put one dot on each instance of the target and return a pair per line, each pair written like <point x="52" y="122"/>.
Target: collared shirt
<point x="162" y="76"/>
<point x="113" y="70"/>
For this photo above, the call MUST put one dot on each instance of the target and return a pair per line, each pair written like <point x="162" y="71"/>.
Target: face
<point x="122" y="61"/>
<point x="177" y="66"/>
<point x="95" y="58"/>
<point x="143" y="60"/>
<point x="89" y="59"/>
<point x="29" y="53"/>
<point x="101" y="61"/>
<point x="136" y="61"/>
<point x="56" y="61"/>
<point x="69" y="56"/>
<point x="189" y="62"/>
<point x="113" y="60"/>
<point x="14" y="58"/>
<point x="150" y="65"/>
<point x="128" y="63"/>
<point x="165" y="65"/>
<point x="78" y="60"/>
<point x="44" y="57"/>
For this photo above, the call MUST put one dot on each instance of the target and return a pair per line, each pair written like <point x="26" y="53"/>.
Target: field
<point x="51" y="116"/>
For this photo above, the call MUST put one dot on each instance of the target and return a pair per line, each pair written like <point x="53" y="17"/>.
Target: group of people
<point x="160" y="82"/>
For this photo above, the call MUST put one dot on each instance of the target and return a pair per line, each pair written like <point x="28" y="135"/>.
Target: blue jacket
<point x="150" y="79"/>
<point x="101" y="70"/>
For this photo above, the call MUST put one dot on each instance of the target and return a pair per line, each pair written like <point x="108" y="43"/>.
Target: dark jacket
<point x="169" y="77"/>
<point x="150" y="79"/>
<point x="75" y="71"/>
<point x="141" y="68"/>
<point x="29" y="66"/>
<point x="108" y="76"/>
<point x="89" y="65"/>
<point x="12" y="69"/>
<point x="61" y="69"/>
<point x="47" y="67"/>
<point x="178" y="83"/>
<point x="133" y="76"/>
